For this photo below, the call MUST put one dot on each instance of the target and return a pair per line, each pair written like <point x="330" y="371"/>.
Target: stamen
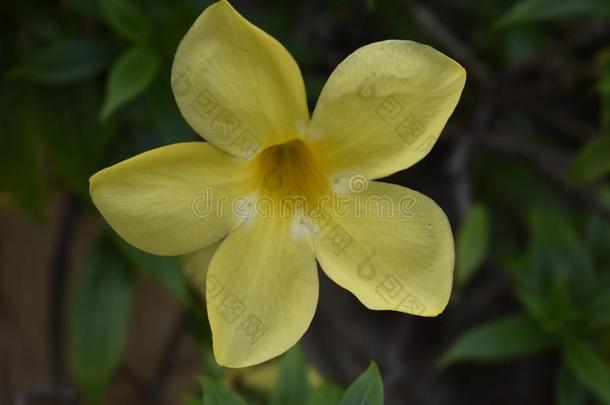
<point x="290" y="170"/>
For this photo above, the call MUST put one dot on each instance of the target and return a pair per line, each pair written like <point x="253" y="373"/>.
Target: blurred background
<point x="521" y="169"/>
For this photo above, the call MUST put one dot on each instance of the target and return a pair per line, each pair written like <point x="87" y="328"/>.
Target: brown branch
<point x="47" y="394"/>
<point x="563" y="122"/>
<point x="57" y="296"/>
<point x="461" y="154"/>
<point x="167" y="361"/>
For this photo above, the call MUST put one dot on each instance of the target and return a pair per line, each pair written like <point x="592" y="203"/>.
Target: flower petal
<point x="171" y="200"/>
<point x="384" y="107"/>
<point x="196" y="266"/>
<point x="236" y="85"/>
<point x="391" y="247"/>
<point x="261" y="291"/>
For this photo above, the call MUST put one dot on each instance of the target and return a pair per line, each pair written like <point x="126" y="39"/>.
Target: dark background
<point x="521" y="169"/>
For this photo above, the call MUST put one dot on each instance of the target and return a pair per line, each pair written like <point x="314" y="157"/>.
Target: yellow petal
<point x="171" y="200"/>
<point x="384" y="107"/>
<point x="237" y="86"/>
<point x="391" y="247"/>
<point x="261" y="291"/>
<point x="196" y="266"/>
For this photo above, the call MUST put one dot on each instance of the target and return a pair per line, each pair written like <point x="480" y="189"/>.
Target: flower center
<point x="288" y="171"/>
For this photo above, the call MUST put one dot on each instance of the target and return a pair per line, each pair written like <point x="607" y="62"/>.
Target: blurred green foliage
<point x="85" y="84"/>
<point x="472" y="243"/>
<point x="565" y="299"/>
<point x="99" y="318"/>
<point x="293" y="387"/>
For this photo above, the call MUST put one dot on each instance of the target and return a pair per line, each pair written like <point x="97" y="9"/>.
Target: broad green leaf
<point x="212" y="369"/>
<point x="214" y="393"/>
<point x="598" y="308"/>
<point x="126" y="19"/>
<point x="192" y="400"/>
<point x="598" y="231"/>
<point x="365" y="390"/>
<point x="590" y="367"/>
<point x="555" y="248"/>
<point x="504" y="338"/>
<point x="326" y="394"/>
<point x="65" y="61"/>
<point x="568" y="390"/>
<point x="166" y="270"/>
<point x="472" y="243"/>
<point x="100" y="309"/>
<point x="592" y="161"/>
<point x="75" y="139"/>
<point x="163" y="114"/>
<point x="292" y="386"/>
<point x="21" y="149"/>
<point x="505" y="180"/>
<point x="560" y="272"/>
<point x="130" y="75"/>
<point x="536" y="10"/>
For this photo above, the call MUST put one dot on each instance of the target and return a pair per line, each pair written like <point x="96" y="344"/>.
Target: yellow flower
<point x="224" y="202"/>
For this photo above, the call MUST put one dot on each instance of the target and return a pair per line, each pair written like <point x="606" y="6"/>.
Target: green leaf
<point x="538" y="10"/>
<point x="292" y="386"/>
<point x="21" y="151"/>
<point x="599" y="305"/>
<point x="592" y="161"/>
<point x="366" y="390"/>
<point x="555" y="248"/>
<point x="560" y="272"/>
<point x="163" y="113"/>
<point x="215" y="393"/>
<point x="472" y="243"/>
<point x="126" y="19"/>
<point x="100" y="310"/>
<point x="192" y="400"/>
<point x="589" y="367"/>
<point x="166" y="270"/>
<point x="326" y="394"/>
<point x="506" y="179"/>
<point x="598" y="231"/>
<point x="75" y="139"/>
<point x="500" y="339"/>
<point x="569" y="391"/>
<point x="68" y="60"/>
<point x="130" y="75"/>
